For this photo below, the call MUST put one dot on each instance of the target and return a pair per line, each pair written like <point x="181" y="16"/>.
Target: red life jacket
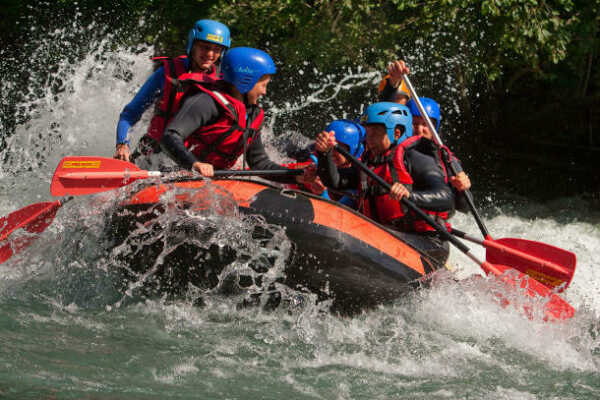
<point x="376" y="203"/>
<point x="221" y="143"/>
<point x="172" y="91"/>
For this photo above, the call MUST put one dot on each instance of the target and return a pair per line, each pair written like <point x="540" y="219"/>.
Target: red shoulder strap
<point x="398" y="165"/>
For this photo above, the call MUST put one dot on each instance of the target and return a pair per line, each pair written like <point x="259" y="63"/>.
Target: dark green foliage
<point x="533" y="64"/>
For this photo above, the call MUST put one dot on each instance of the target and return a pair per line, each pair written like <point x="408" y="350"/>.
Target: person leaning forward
<point x="206" y="42"/>
<point x="394" y="155"/>
<point x="219" y="122"/>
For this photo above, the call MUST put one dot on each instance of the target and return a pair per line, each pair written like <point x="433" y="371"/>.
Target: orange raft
<point x="337" y="253"/>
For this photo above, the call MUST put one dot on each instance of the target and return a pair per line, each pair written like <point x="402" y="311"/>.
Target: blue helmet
<point x="209" y="31"/>
<point x="244" y="66"/>
<point x="349" y="133"/>
<point x="390" y="115"/>
<point x="431" y="107"/>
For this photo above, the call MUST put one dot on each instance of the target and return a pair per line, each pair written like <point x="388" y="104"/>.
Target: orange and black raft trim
<point x="338" y="252"/>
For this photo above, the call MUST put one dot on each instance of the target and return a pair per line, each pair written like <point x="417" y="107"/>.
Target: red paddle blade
<point x="555" y="308"/>
<point x="87" y="175"/>
<point x="550" y="265"/>
<point x="34" y="218"/>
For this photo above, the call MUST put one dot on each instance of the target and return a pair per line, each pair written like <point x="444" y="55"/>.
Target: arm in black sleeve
<point x="454" y="167"/>
<point x="257" y="158"/>
<point x="197" y="110"/>
<point x="430" y="190"/>
<point x="388" y="93"/>
<point x="333" y="177"/>
<point x="460" y="198"/>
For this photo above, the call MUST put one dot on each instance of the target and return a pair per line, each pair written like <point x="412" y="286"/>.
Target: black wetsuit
<point x="428" y="191"/>
<point x="199" y="110"/>
<point x="388" y="94"/>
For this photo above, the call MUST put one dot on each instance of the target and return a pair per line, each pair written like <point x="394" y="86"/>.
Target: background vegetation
<point x="524" y="73"/>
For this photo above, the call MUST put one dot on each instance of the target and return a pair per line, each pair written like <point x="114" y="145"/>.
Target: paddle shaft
<point x="448" y="162"/>
<point x="555" y="308"/>
<point x="553" y="266"/>
<point x="141" y="174"/>
<point x="460" y="245"/>
<point x="263" y="172"/>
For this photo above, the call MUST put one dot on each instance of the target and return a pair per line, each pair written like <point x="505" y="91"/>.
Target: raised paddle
<point x="83" y="175"/>
<point x="34" y="218"/>
<point x="548" y="264"/>
<point x="555" y="308"/>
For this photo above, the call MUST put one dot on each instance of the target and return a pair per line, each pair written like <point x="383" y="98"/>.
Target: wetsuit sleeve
<point x="145" y="97"/>
<point x="333" y="177"/>
<point x="197" y="110"/>
<point x="257" y="158"/>
<point x="460" y="198"/>
<point x="388" y="93"/>
<point x="454" y="166"/>
<point x="430" y="190"/>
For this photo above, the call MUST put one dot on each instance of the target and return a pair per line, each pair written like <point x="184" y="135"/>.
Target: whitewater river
<point x="68" y="331"/>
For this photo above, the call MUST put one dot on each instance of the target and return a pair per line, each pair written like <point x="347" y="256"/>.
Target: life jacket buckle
<point x="289" y="193"/>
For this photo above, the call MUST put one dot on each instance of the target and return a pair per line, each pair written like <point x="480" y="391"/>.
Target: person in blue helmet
<point x="207" y="41"/>
<point x="394" y="154"/>
<point x="349" y="135"/>
<point x="459" y="181"/>
<point x="219" y="122"/>
<point x="388" y="92"/>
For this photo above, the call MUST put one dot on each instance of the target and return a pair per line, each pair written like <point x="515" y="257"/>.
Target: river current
<point x="68" y="328"/>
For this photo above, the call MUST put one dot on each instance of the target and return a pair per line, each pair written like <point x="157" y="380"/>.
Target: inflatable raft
<point x="336" y="252"/>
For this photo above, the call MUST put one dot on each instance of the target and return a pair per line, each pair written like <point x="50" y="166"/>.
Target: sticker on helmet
<point x="245" y="70"/>
<point x="82" y="164"/>
<point x="214" y="38"/>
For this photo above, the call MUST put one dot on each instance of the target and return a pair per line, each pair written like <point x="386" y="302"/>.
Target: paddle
<point x="550" y="265"/>
<point x="77" y="176"/>
<point x="556" y="308"/>
<point x="80" y="176"/>
<point x="34" y="218"/>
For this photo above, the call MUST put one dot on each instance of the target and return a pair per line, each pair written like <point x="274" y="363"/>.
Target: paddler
<point x="460" y="181"/>
<point x="401" y="160"/>
<point x="349" y="135"/>
<point x="396" y="70"/>
<point x="219" y="122"/>
<point x="392" y="87"/>
<point x="207" y="41"/>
